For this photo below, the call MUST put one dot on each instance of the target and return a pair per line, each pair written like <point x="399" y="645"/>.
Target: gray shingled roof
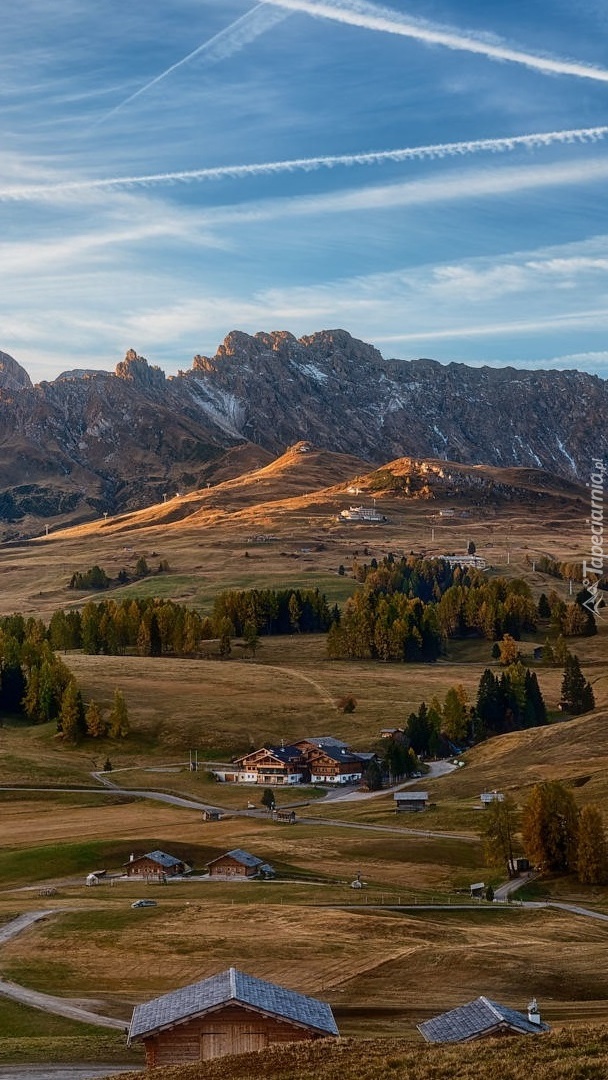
<point x="476" y="1018"/>
<point x="411" y="796"/>
<point x="160" y="857"/>
<point x="240" y="856"/>
<point x="228" y="987"/>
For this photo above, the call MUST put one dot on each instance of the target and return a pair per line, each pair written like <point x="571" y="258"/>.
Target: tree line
<point x="97" y="578"/>
<point x="37" y="686"/>
<point x="274" y="611"/>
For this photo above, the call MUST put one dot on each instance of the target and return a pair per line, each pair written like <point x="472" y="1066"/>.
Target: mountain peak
<point x="12" y="375"/>
<point x="136" y="369"/>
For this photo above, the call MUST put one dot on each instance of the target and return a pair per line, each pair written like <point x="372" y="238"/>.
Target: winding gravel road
<point x="47" y="1002"/>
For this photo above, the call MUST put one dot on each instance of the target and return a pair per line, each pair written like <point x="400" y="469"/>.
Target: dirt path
<point x="327" y="699"/>
<point x="47" y="1002"/>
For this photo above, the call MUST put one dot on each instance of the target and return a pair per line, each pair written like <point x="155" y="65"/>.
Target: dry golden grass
<point x="562" y="1055"/>
<point x="204" y="535"/>
<point x="382" y="971"/>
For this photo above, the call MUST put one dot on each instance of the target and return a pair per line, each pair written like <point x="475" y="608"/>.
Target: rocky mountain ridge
<point x="93" y="441"/>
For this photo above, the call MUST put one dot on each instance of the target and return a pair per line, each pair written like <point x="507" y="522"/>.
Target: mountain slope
<point x="92" y="441"/>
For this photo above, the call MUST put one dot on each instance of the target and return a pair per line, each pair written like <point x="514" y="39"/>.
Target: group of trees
<point x="394" y="758"/>
<point x="274" y="611"/>
<point x="505" y="702"/>
<point x="562" y="839"/>
<point x="149" y="627"/>
<point x="96" y="578"/>
<point x="385" y="627"/>
<point x="556" y="835"/>
<point x="36" y="685"/>
<point x="422" y="579"/>
<point x="509" y="701"/>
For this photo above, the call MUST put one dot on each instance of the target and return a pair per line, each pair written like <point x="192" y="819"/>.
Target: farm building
<point x="156" y="864"/>
<point x="238" y="864"/>
<point x="411" y="800"/>
<point x="212" y="815"/>
<point x="488" y="797"/>
<point x="230" y="1013"/>
<point x="481" y="1019"/>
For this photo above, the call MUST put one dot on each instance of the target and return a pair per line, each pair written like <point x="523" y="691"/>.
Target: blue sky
<point x="129" y="216"/>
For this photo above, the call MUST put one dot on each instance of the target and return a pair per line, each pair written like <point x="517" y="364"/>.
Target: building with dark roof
<point x="270" y="765"/>
<point x="238" y="864"/>
<point x="156" y="864"/>
<point x="230" y="1013"/>
<point x="410" y="800"/>
<point x="482" y="1019"/>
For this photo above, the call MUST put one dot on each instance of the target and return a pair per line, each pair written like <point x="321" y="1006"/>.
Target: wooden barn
<point x="238" y="864"/>
<point x="156" y="865"/>
<point x="230" y="1013"/>
<point x="411" y="800"/>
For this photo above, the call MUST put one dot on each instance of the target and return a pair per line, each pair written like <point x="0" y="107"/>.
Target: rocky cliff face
<point x="93" y="441"/>
<point x="12" y="375"/>
<point x="341" y="393"/>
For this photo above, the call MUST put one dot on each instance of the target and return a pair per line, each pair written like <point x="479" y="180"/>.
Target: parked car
<point x="144" y="903"/>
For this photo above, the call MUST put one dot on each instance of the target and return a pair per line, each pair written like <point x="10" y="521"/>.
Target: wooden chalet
<point x="238" y="864"/>
<point x="272" y="765"/>
<point x="411" y="801"/>
<point x="230" y="1013"/>
<point x="330" y="761"/>
<point x="156" y="865"/>
<point x="482" y="1019"/>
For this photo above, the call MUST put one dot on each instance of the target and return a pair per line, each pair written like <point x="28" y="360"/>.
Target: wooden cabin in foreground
<point x="230" y="1013"/>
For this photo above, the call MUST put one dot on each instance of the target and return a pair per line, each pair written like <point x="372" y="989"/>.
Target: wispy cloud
<point x="504" y="144"/>
<point x="226" y="43"/>
<point x="372" y="17"/>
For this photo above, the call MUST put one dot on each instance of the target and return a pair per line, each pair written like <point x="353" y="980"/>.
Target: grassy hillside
<point x="565" y="1055"/>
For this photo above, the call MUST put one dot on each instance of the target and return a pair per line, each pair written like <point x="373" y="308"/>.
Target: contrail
<point x="374" y="157"/>
<point x="371" y="17"/>
<point x="229" y="40"/>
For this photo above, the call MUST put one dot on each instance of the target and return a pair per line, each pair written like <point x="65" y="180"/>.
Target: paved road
<point x="502" y="892"/>
<point x="436" y="768"/>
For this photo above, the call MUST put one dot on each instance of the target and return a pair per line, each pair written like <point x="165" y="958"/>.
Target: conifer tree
<point x="71" y="721"/>
<point x="118" y="720"/>
<point x="97" y="727"/>
<point x="577" y="693"/>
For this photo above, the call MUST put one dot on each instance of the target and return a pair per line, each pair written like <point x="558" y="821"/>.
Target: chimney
<point x="534" y="1013"/>
<point x="131" y="857"/>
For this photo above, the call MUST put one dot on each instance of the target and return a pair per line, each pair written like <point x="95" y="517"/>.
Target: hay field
<point x="382" y="971"/>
